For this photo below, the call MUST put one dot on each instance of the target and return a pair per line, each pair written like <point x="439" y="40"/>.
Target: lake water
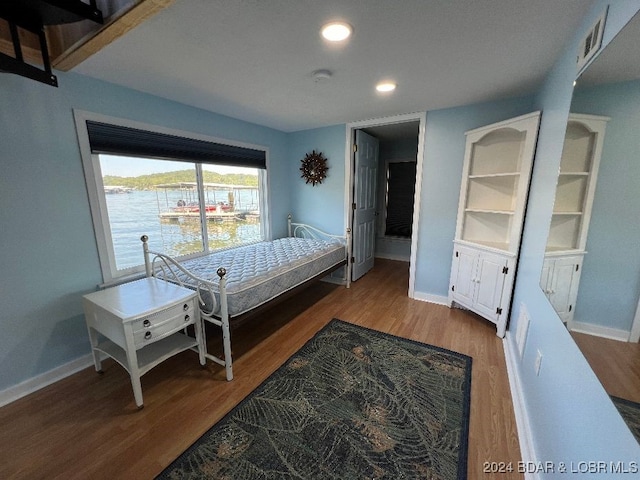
<point x="137" y="213"/>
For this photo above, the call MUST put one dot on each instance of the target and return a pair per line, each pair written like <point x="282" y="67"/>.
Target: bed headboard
<point x="302" y="230"/>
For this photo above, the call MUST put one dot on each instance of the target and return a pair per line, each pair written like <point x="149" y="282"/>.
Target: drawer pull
<point x="187" y="318"/>
<point x="185" y="307"/>
<point x="147" y="335"/>
<point x="146" y="323"/>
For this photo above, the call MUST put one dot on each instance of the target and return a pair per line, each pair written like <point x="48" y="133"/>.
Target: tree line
<point x="148" y="182"/>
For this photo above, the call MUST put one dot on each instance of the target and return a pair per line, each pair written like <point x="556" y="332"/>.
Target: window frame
<point x="97" y="198"/>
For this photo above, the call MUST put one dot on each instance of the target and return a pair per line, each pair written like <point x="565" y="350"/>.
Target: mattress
<point x="259" y="272"/>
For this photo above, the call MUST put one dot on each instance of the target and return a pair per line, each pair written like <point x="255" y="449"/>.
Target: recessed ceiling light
<point x="336" y="31"/>
<point x="386" y="87"/>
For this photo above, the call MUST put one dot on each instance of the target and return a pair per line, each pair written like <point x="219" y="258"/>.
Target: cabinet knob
<point x="187" y="318"/>
<point x="146" y="323"/>
<point x="147" y="335"/>
<point x="185" y="307"/>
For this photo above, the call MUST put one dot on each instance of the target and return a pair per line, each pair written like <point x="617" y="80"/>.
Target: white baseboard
<point x="525" y="439"/>
<point x="23" y="389"/>
<point x="390" y="256"/>
<point x="600" y="331"/>
<point x="427" y="297"/>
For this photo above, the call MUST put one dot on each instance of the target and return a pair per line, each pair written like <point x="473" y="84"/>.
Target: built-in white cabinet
<point x="572" y="211"/>
<point x="496" y="174"/>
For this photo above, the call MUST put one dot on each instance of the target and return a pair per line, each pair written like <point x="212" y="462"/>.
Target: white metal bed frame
<point x="164" y="267"/>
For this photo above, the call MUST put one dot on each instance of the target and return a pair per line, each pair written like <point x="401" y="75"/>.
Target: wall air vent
<point x="32" y="16"/>
<point x="591" y="42"/>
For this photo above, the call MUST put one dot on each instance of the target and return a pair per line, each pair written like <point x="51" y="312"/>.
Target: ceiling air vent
<point x="592" y="41"/>
<point x="32" y="16"/>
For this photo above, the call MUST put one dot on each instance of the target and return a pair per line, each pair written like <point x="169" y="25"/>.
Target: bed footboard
<point x="166" y="268"/>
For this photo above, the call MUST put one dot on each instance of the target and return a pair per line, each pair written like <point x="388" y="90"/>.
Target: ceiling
<point x="253" y="59"/>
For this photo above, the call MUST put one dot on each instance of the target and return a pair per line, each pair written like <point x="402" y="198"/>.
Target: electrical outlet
<point x="538" y="363"/>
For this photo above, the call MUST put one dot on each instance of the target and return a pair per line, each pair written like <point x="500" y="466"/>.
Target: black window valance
<point x="119" y="140"/>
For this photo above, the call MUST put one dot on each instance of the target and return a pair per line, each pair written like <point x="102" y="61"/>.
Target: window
<point x="189" y="195"/>
<point x="401" y="180"/>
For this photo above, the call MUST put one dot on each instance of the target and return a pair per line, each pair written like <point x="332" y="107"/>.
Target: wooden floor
<point x="87" y="425"/>
<point x="615" y="363"/>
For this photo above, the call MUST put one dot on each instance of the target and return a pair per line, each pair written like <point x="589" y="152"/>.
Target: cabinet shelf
<point x="497" y="212"/>
<point x="492" y="192"/>
<point x="497" y="152"/>
<point x="495" y="175"/>
<point x="553" y="251"/>
<point x="500" y="246"/>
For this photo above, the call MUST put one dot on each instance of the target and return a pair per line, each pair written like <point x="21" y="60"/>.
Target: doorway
<point x="394" y="236"/>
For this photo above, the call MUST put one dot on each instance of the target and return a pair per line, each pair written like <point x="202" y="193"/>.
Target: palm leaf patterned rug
<point x="351" y="403"/>
<point x="630" y="412"/>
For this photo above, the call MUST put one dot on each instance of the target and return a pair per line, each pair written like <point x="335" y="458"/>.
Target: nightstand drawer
<point x="160" y="324"/>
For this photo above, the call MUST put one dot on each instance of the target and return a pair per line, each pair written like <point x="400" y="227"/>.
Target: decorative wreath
<point x="314" y="167"/>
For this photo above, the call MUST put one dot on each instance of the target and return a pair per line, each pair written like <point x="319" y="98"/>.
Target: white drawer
<point x="161" y="324"/>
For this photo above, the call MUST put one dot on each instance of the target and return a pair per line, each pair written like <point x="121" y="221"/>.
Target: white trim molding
<point x="635" y="326"/>
<point x="527" y="449"/>
<point x="38" y="382"/>
<point x="600" y="331"/>
<point x="430" y="298"/>
<point x="390" y="256"/>
<point x="420" y="117"/>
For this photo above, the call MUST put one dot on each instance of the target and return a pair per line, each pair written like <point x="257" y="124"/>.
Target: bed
<point x="238" y="283"/>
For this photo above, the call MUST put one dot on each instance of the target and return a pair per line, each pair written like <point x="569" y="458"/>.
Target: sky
<point x="134" y="167"/>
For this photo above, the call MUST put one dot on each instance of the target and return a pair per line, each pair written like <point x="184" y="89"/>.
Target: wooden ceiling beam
<point x="72" y="43"/>
<point x="115" y="26"/>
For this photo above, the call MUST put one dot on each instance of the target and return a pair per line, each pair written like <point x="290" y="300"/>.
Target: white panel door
<point x="490" y="280"/>
<point x="364" y="196"/>
<point x="463" y="281"/>
<point x="563" y="288"/>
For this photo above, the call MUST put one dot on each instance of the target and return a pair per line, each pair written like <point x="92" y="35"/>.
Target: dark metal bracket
<point x="33" y="15"/>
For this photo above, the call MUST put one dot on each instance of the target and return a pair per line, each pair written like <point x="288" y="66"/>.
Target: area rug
<point x="351" y="403"/>
<point x="630" y="412"/>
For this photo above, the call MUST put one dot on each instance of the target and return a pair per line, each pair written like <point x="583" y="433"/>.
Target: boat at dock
<point x="116" y="189"/>
<point x="222" y="202"/>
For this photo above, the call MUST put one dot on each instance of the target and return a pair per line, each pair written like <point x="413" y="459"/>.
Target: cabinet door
<point x="545" y="276"/>
<point x="564" y="286"/>
<point x="490" y="277"/>
<point x="463" y="278"/>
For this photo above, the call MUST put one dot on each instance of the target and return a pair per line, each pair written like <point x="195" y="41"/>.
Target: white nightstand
<point x="143" y="322"/>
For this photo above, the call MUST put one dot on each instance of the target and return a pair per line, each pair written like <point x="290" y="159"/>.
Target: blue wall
<point x="321" y="205"/>
<point x="571" y="417"/>
<point x="610" y="280"/>
<point x="49" y="256"/>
